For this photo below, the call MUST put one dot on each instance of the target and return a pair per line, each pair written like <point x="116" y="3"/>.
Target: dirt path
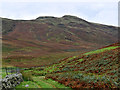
<point x="49" y="84"/>
<point x="38" y="85"/>
<point x="40" y="79"/>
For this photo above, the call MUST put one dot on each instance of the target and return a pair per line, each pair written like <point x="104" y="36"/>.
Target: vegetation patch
<point x="7" y="48"/>
<point x="101" y="50"/>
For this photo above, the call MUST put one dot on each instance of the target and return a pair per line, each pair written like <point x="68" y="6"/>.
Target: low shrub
<point x="27" y="76"/>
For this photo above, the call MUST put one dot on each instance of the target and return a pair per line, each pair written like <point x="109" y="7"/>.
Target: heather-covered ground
<point x="50" y="39"/>
<point x="95" y="69"/>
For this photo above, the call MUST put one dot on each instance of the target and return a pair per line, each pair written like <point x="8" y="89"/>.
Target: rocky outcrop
<point x="10" y="81"/>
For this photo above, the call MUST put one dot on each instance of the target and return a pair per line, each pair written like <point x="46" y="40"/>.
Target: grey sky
<point x="99" y="12"/>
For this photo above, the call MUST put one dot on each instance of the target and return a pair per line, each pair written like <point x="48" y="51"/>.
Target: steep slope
<point x="97" y="68"/>
<point x="31" y="39"/>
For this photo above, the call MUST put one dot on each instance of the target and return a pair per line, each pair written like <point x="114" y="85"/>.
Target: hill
<point x="47" y="39"/>
<point x="97" y="68"/>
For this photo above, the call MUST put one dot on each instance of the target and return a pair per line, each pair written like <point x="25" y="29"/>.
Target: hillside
<point x="47" y="39"/>
<point x="97" y="68"/>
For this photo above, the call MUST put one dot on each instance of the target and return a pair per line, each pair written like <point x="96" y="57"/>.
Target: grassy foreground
<point x="95" y="69"/>
<point x="40" y="82"/>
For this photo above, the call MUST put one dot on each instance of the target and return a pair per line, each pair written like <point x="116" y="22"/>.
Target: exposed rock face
<point x="10" y="81"/>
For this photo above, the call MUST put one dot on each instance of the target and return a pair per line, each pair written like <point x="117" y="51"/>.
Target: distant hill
<point x="30" y="39"/>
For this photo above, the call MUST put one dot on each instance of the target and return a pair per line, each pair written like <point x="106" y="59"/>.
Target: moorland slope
<point x="47" y="39"/>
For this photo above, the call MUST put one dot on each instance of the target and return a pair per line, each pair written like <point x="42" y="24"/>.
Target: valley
<point x="61" y="52"/>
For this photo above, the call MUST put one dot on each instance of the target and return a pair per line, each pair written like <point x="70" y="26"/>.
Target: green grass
<point x="76" y="44"/>
<point x="80" y="60"/>
<point x="101" y="50"/>
<point x="39" y="82"/>
<point x="30" y="83"/>
<point x="3" y="71"/>
<point x="71" y="58"/>
<point x="48" y="83"/>
<point x="7" y="48"/>
<point x="3" y="74"/>
<point x="29" y="49"/>
<point x="55" y="83"/>
<point x="44" y="85"/>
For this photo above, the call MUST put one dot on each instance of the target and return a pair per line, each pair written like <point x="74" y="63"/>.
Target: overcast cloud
<point x="98" y="12"/>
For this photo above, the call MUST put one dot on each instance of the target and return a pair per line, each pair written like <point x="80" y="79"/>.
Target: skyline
<point x="97" y="12"/>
